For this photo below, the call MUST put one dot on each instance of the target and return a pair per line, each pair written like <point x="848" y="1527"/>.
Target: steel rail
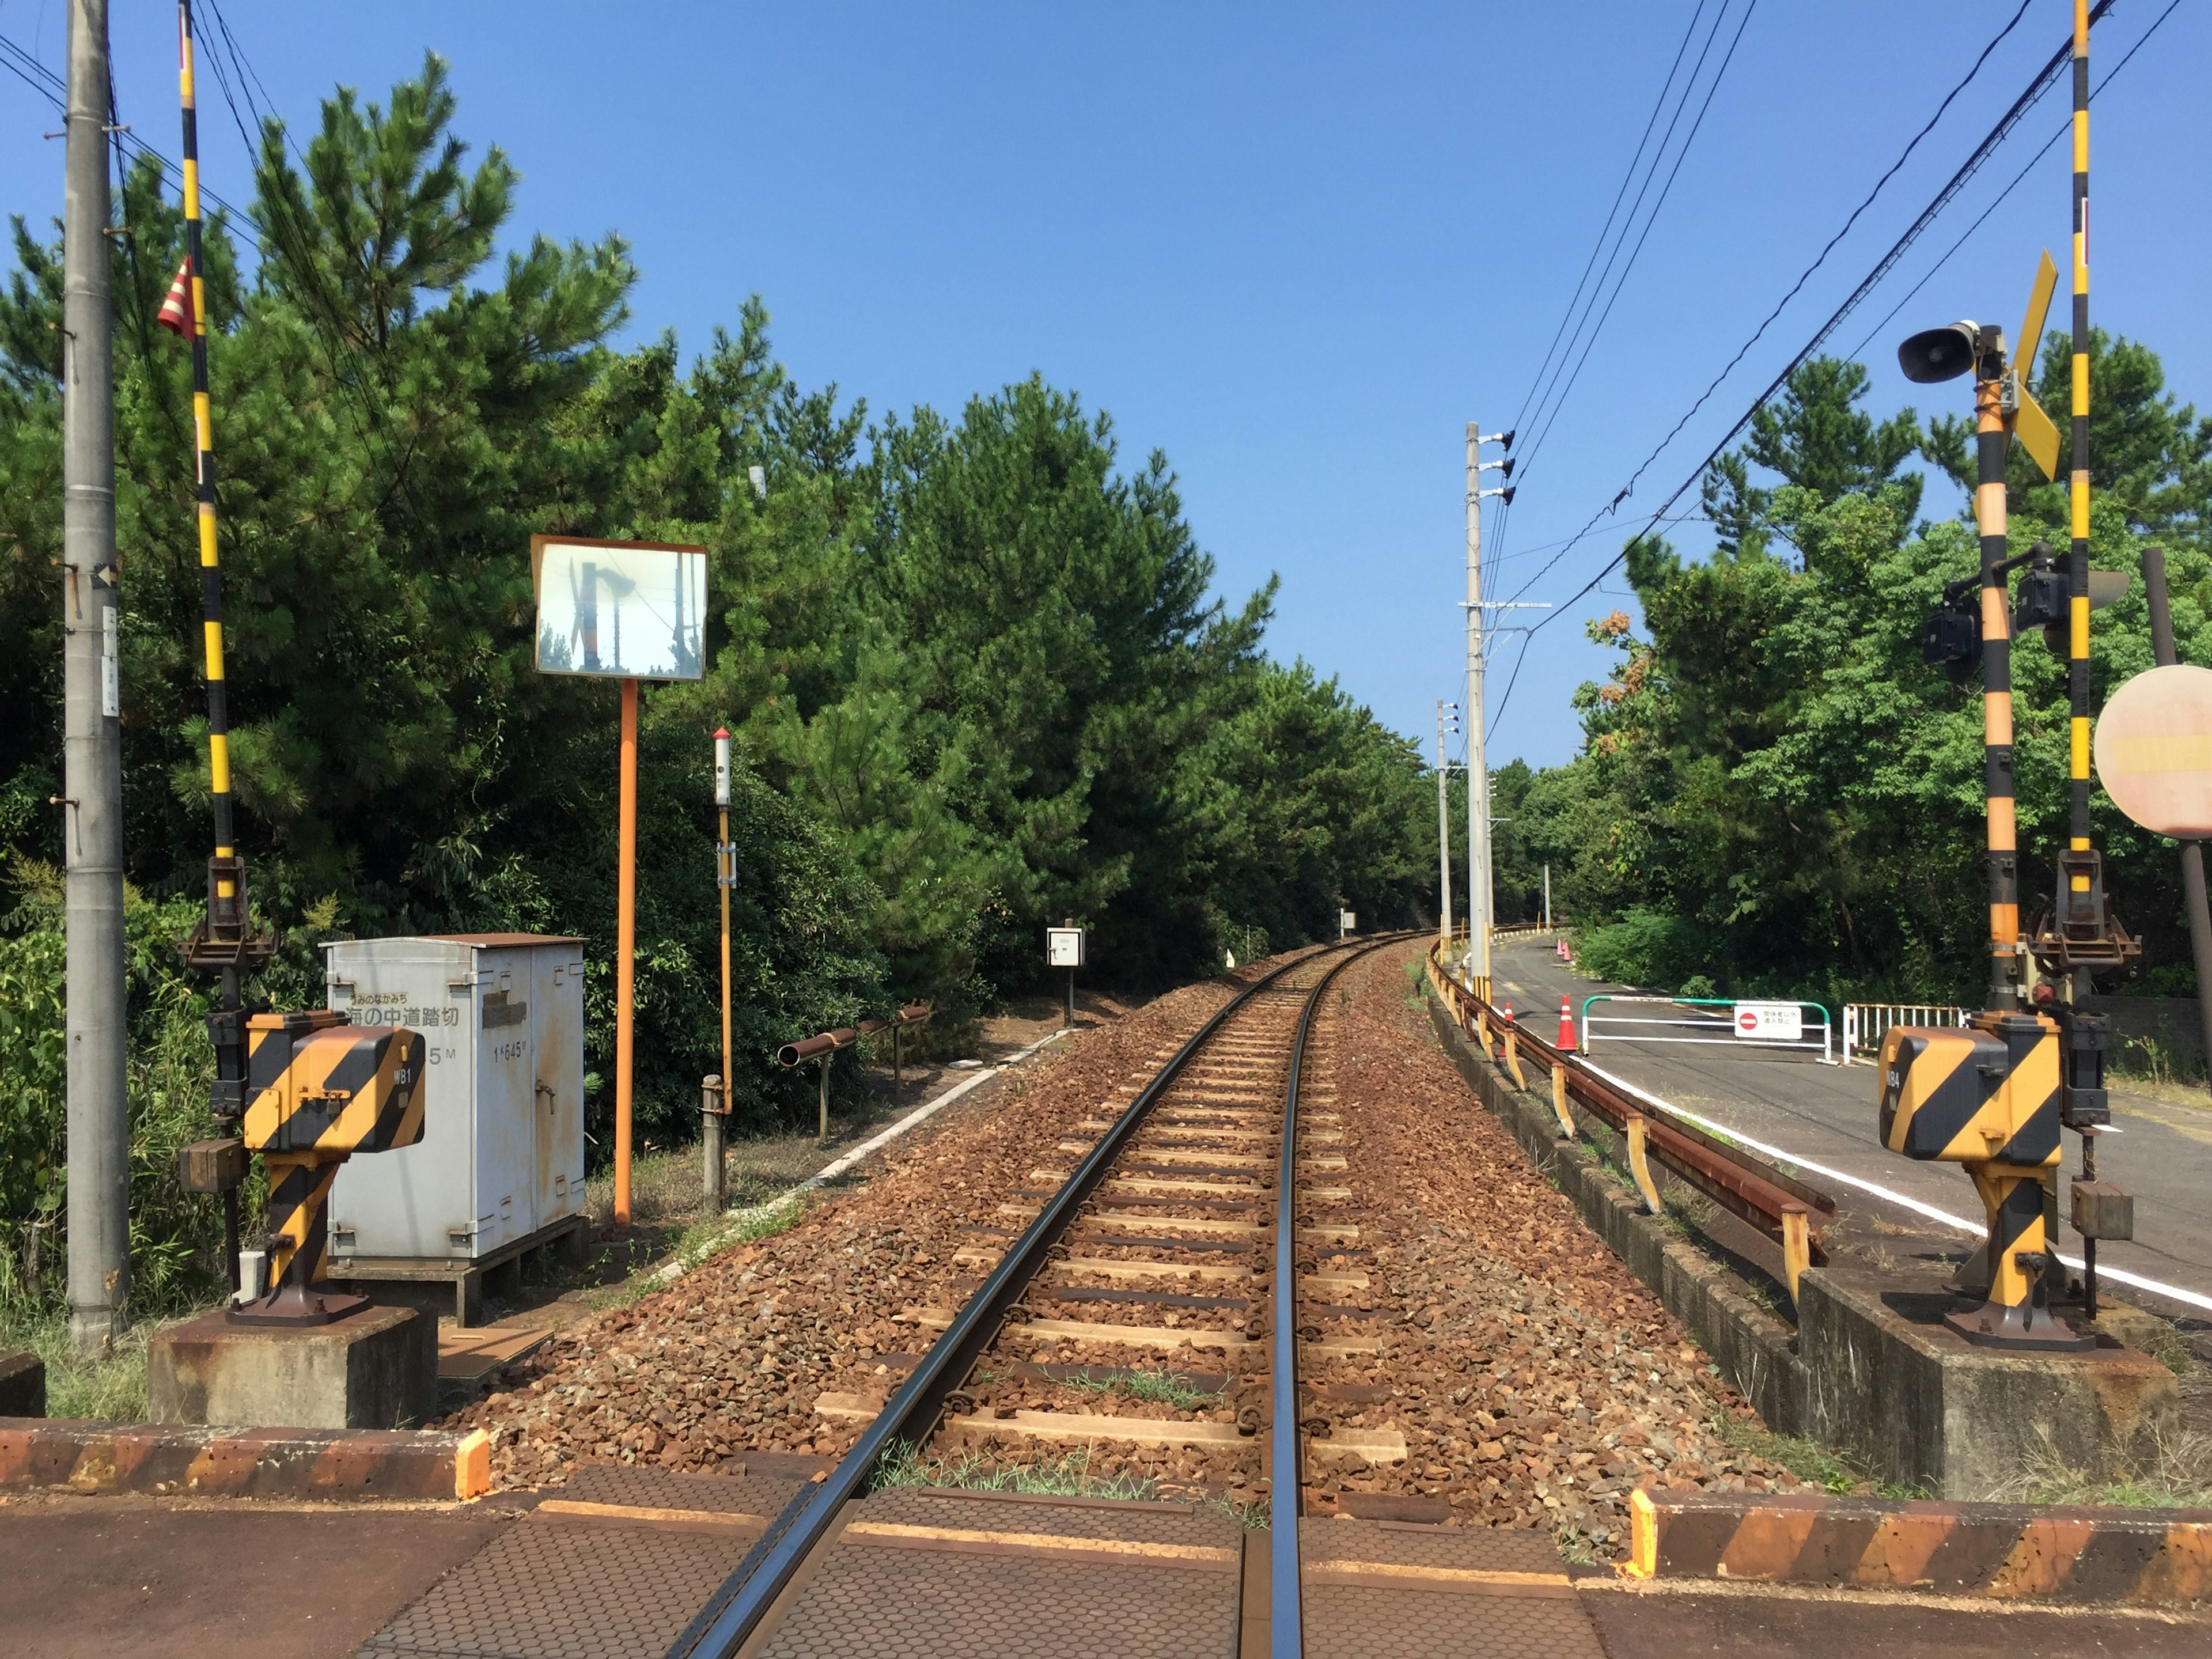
<point x="1285" y="1454"/>
<point x="736" y="1609"/>
<point x="1749" y="1186"/>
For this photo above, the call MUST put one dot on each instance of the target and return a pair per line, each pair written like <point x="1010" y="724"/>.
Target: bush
<point x="176" y="1237"/>
<point x="1644" y="948"/>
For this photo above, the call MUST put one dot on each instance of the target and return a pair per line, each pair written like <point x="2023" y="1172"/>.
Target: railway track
<point x="1180" y="1349"/>
<point x="1187" y="1281"/>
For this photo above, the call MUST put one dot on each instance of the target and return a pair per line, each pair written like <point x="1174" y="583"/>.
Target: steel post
<point x="625" y="946"/>
<point x="91" y="808"/>
<point x="2192" y="852"/>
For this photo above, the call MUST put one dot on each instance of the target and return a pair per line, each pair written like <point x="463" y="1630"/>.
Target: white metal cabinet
<point x="503" y="1151"/>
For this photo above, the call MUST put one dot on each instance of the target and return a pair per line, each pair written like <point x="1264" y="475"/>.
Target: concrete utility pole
<point x="1477" y="774"/>
<point x="92" y="809"/>
<point x="1478" y="906"/>
<point x="1443" y="831"/>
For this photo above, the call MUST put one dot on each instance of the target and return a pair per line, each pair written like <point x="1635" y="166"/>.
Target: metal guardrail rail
<point x="735" y="1611"/>
<point x="1785" y="1209"/>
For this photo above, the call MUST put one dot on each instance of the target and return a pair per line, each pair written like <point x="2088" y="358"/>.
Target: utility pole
<point x="1548" y="898"/>
<point x="92" y="807"/>
<point x="1478" y="772"/>
<point x="1444" y="828"/>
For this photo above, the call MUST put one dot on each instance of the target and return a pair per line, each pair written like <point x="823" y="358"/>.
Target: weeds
<point x="1808" y="1459"/>
<point x="1254" y="1517"/>
<point x="1066" y="1476"/>
<point x="1160" y="1388"/>
<point x="110" y="1390"/>
<point x="2175" y="1473"/>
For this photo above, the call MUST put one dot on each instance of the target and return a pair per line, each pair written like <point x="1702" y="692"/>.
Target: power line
<point x="1635" y="163"/>
<point x="1943" y="198"/>
<point x="2049" y="144"/>
<point x="49" y="86"/>
<point x="1503" y="515"/>
<point x="1589" y="341"/>
<point x="1820" y="258"/>
<point x="1997" y="135"/>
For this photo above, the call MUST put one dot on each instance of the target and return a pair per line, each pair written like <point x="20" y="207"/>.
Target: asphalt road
<point x="1824" y="1115"/>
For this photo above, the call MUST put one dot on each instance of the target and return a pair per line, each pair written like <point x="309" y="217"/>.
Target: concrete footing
<point x="1887" y="1378"/>
<point x="1871" y="1368"/>
<point x="375" y="1369"/>
<point x="23" y="1385"/>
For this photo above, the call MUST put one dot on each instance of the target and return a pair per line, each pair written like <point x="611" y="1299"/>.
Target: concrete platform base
<point x="23" y="1385"/>
<point x="377" y="1369"/>
<point x="1886" y="1377"/>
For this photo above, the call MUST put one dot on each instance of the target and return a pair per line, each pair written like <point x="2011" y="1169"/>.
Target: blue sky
<point x="1296" y="247"/>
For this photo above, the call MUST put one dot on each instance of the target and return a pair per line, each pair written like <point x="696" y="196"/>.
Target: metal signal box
<point x="1972" y="1095"/>
<point x="501" y="1157"/>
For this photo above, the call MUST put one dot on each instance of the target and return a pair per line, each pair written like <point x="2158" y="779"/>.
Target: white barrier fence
<point x="1865" y="1022"/>
<point x="1713" y="1020"/>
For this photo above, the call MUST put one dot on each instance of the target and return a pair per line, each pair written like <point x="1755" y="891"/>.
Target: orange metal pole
<point x="625" y="948"/>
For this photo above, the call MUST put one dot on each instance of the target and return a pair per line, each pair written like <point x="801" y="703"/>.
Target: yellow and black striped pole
<point x="225" y="939"/>
<point x="2078" y="484"/>
<point x="226" y="843"/>
<point x="2003" y="833"/>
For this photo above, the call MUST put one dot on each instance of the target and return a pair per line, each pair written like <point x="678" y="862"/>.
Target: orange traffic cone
<point x="1566" y="1043"/>
<point x="1509" y="1013"/>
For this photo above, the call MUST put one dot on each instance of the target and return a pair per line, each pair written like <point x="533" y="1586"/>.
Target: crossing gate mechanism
<point x="319" y="1090"/>
<point x="1987" y="1095"/>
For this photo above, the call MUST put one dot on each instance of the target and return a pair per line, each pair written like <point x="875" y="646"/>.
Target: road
<point x="1824" y="1116"/>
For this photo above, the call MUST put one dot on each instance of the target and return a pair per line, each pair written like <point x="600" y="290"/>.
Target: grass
<point x="1808" y="1459"/>
<point x="1160" y="1388"/>
<point x="2177" y="1473"/>
<point x="111" y="1389"/>
<point x="1065" y="1476"/>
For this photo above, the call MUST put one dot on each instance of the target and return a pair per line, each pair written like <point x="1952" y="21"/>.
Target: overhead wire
<point x="1821" y="258"/>
<point x="1578" y="325"/>
<point x="1635" y="163"/>
<point x="2018" y="178"/>
<point x="50" y="86"/>
<point x="1996" y="137"/>
<point x="1589" y="342"/>
<point x="340" y="354"/>
<point x="1588" y="339"/>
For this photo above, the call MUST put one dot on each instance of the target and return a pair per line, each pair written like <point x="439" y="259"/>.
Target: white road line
<point x="1971" y="1229"/>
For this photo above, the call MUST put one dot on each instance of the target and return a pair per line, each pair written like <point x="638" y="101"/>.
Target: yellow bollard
<point x="1639" y="1165"/>
<point x="1796" y="1244"/>
<point x="1559" y="1103"/>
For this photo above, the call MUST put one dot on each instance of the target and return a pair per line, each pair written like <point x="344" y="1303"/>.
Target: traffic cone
<point x="1509" y="1013"/>
<point x="1566" y="1043"/>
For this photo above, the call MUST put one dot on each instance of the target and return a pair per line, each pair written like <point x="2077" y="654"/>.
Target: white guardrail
<point x="1713" y="1020"/>
<point x="1865" y="1022"/>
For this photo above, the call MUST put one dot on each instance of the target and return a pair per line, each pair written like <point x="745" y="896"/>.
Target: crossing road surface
<point x="1824" y="1114"/>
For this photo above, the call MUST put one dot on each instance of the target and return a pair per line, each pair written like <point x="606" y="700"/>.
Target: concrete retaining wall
<point x="1871" y="1368"/>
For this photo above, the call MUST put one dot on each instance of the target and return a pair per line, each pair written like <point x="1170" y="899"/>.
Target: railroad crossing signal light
<point x="1988" y="1097"/>
<point x="319" y="1090"/>
<point x="1952" y="640"/>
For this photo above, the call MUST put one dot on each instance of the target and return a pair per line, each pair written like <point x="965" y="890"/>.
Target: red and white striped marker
<point x="1566" y="1043"/>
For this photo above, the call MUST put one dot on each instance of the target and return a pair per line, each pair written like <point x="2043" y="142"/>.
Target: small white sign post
<point x="1064" y="948"/>
<point x="1347" y="922"/>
